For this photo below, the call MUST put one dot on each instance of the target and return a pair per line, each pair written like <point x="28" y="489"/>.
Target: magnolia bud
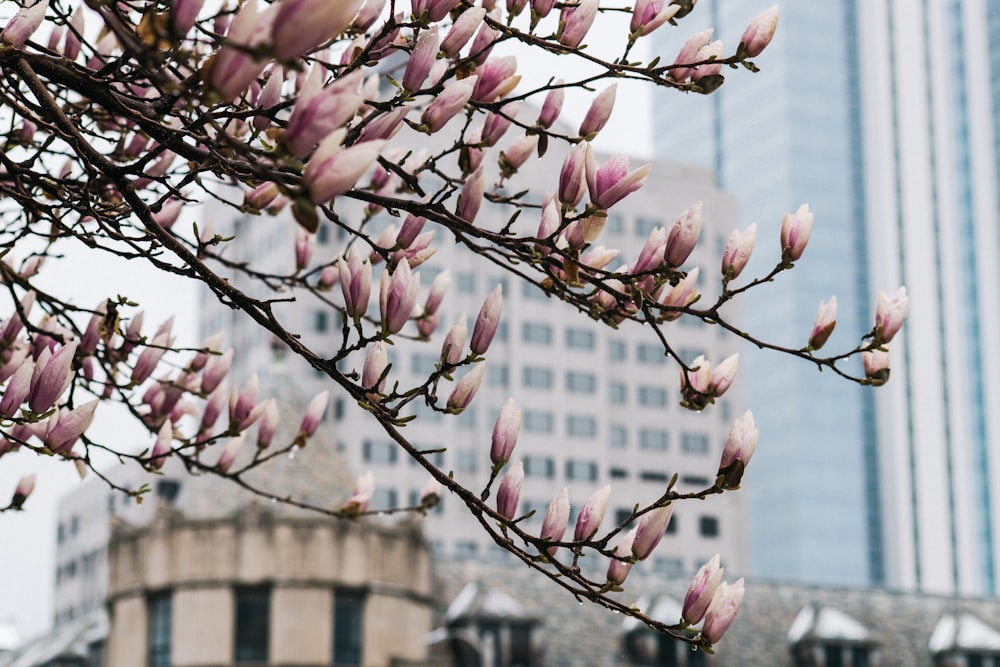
<point x="24" y="487"/>
<point x="826" y="320"/>
<point x="722" y="612"/>
<point x="487" y="322"/>
<point x="505" y="432"/>
<point x="739" y="448"/>
<point x="700" y="592"/>
<point x="556" y="519"/>
<point x="510" y="491"/>
<point x="592" y="513"/>
<point x="795" y="230"/>
<point x="465" y="389"/>
<point x="652" y="526"/>
<point x="760" y="32"/>
<point x="890" y="314"/>
<point x="739" y="245"/>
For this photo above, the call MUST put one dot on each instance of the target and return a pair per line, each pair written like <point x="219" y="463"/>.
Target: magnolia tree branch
<point x="117" y="115"/>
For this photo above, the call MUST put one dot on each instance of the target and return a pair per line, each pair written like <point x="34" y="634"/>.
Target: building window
<point x="616" y="350"/>
<point x="653" y="439"/>
<point x="645" y="226"/>
<point x="539" y="466"/>
<point x="535" y="376"/>
<point x="497" y="375"/>
<point x="672" y="567"/>
<point x="465" y="283"/>
<point x="618" y="473"/>
<point x="583" y="427"/>
<point x="323" y="234"/>
<point x="531" y="292"/>
<point x="615" y="224"/>
<point x="618" y="436"/>
<point x="467" y="460"/>
<point x="653" y="476"/>
<point x="253" y="611"/>
<point x="695" y="480"/>
<point x="708" y="526"/>
<point x="648" y="353"/>
<point x="159" y="611"/>
<point x="320" y="321"/>
<point x="424" y="364"/>
<point x="536" y="332"/>
<point x="540" y="422"/>
<point x="694" y="443"/>
<point x="585" y="471"/>
<point x="580" y="339"/>
<point x="653" y="397"/>
<point x="348" y="614"/>
<point x="580" y="383"/>
<point x="464" y="549"/>
<point x="167" y="489"/>
<point x="618" y="393"/>
<point x="379" y="451"/>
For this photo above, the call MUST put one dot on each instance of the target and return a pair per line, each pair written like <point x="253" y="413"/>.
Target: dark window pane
<point x="159" y="611"/>
<point x="520" y="646"/>
<point x="708" y="526"/>
<point x="253" y="610"/>
<point x="859" y="656"/>
<point x="833" y="656"/>
<point x="348" y="609"/>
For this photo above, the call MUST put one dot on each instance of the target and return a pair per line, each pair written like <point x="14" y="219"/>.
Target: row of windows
<point x="251" y="636"/>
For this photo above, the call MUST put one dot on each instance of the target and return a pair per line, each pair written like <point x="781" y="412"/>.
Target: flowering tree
<point x="118" y="114"/>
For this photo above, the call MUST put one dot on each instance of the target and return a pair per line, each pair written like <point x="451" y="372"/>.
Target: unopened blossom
<point x="183" y="14"/>
<point x="688" y="53"/>
<point x="448" y="103"/>
<point x="517" y="153"/>
<point x="355" y="283"/>
<point x="487" y="321"/>
<point x="701" y="591"/>
<point x="66" y="426"/>
<point x="553" y="104"/>
<point x="229" y="453"/>
<point x="161" y="446"/>
<point x="334" y="169"/>
<point x="242" y="404"/>
<point x="216" y="369"/>
<point x="618" y="569"/>
<point x="876" y="364"/>
<point x="497" y="123"/>
<point x="736" y="254"/>
<point x="268" y="424"/>
<point x="759" y="33"/>
<point x="398" y="294"/>
<point x="826" y="320"/>
<point x="462" y="30"/>
<point x="454" y="341"/>
<point x="359" y="501"/>
<point x="696" y="384"/>
<point x="651" y="255"/>
<point x="168" y="212"/>
<point x="24" y="24"/>
<point x="681" y="295"/>
<point x="484" y="40"/>
<point x="598" y="257"/>
<point x="592" y="514"/>
<point x="575" y="21"/>
<point x="471" y="155"/>
<point x="795" y="230"/>
<point x="150" y="357"/>
<point x="373" y="372"/>
<point x="890" y="312"/>
<point x="471" y="197"/>
<point x="612" y="181"/>
<point x="319" y="109"/>
<point x="722" y="612"/>
<point x="24" y="487"/>
<point x="573" y="175"/>
<point x="314" y="414"/>
<point x="370" y="12"/>
<point x="505" y="432"/>
<point x="497" y="77"/>
<point x="302" y="26"/>
<point x="261" y="196"/>
<point x="509" y="491"/>
<point x="465" y="389"/>
<point x="305" y="245"/>
<point x="542" y="8"/>
<point x="435" y="296"/>
<point x="651" y="529"/>
<point x="740" y="446"/>
<point x="710" y="52"/>
<point x="723" y="375"/>
<point x="385" y="125"/>
<point x="599" y="112"/>
<point x="234" y="67"/>
<point x="430" y="495"/>
<point x="683" y="236"/>
<point x="648" y="15"/>
<point x="421" y="59"/>
<point x="51" y="376"/>
<point x="435" y="9"/>
<point x="410" y="229"/>
<point x="213" y="408"/>
<point x="556" y="519"/>
<point x="18" y="388"/>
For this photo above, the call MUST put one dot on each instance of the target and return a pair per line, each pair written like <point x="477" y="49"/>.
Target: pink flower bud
<point x="648" y="15"/>
<point x="421" y="59"/>
<point x="168" y="212"/>
<point x="261" y="196"/>
<point x="314" y="414"/>
<point x="268" y="424"/>
<point x="438" y="289"/>
<point x="228" y="455"/>
<point x="723" y="375"/>
<point x="510" y="491"/>
<point x="890" y="314"/>
<point x="161" y="446"/>
<point x="652" y="526"/>
<point x="150" y="357"/>
<point x="359" y="501"/>
<point x="612" y="181"/>
<point x="465" y="389"/>
<point x="651" y="255"/>
<point x="216" y="369"/>
<point x="369" y="13"/>
<point x="572" y="176"/>
<point x="826" y="320"/>
<point x="471" y="197"/>
<point x="505" y="432"/>
<point x="411" y="228"/>
<point x="683" y="236"/>
<point x="575" y="21"/>
<point x="599" y="112"/>
<point x="681" y="295"/>
<point x="487" y="321"/>
<point x="385" y="126"/>
<point x="618" y="569"/>
<point x="739" y="245"/>
<point x="722" y="612"/>
<point x="454" y="341"/>
<point x="709" y="52"/>
<point x="759" y="33"/>
<point x="55" y="36"/>
<point x="485" y="39"/>
<point x="333" y="169"/>
<point x="398" y="296"/>
<point x="372" y="375"/>
<point x="18" y="389"/>
<point x="701" y="591"/>
<point x="556" y="519"/>
<point x="68" y="427"/>
<point x="688" y="54"/>
<point x="320" y="110"/>
<point x="553" y="104"/>
<point x="302" y="26"/>
<point x="241" y="404"/>
<point x="795" y="230"/>
<point x="598" y="257"/>
<point x="24" y="24"/>
<point x="592" y="514"/>
<point x="51" y="377"/>
<point x="355" y="283"/>
<point x="445" y="106"/>
<point x="213" y="408"/>
<point x="497" y="123"/>
<point x="183" y="14"/>
<point x="739" y="448"/>
<point x="435" y="9"/>
<point x="876" y="363"/>
<point x="305" y="244"/>
<point x="462" y="30"/>
<point x="233" y="68"/>
<point x="24" y="487"/>
<point x="496" y="79"/>
<point x="27" y="133"/>
<point x="517" y="153"/>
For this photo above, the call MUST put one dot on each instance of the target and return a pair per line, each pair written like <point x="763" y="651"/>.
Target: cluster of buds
<point x="700" y="385"/>
<point x="711" y="601"/>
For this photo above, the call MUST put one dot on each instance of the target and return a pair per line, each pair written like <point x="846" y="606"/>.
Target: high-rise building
<point x="599" y="406"/>
<point x="880" y="116"/>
